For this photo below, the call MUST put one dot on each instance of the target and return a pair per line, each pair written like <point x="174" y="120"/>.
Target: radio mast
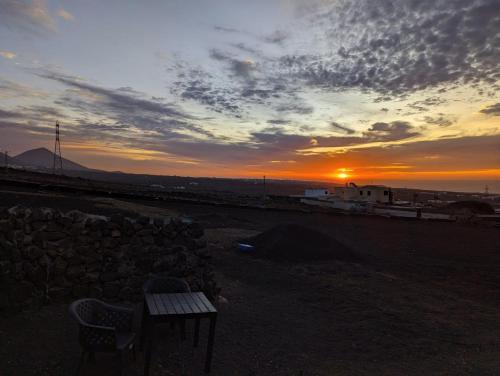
<point x="57" y="165"/>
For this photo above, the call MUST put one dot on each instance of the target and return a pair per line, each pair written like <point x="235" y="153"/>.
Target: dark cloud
<point x="123" y="109"/>
<point x="432" y="101"/>
<point x="198" y="85"/>
<point x="226" y="29"/>
<point x="337" y="126"/>
<point x="493" y="109"/>
<point x="278" y="37"/>
<point x="239" y="68"/>
<point x="32" y="114"/>
<point x="398" y="47"/>
<point x="441" y="154"/>
<point x="278" y="121"/>
<point x="384" y="109"/>
<point x="6" y="114"/>
<point x="422" y="105"/>
<point x="440" y="120"/>
<point x="382" y="99"/>
<point x="254" y="85"/>
<point x="250" y="50"/>
<point x="295" y="108"/>
<point x="120" y="100"/>
<point x="275" y="139"/>
<point x="396" y="130"/>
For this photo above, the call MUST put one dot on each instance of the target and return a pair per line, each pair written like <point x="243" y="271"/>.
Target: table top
<point x="179" y="304"/>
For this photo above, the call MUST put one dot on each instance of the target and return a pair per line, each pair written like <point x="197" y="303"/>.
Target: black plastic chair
<point x="103" y="328"/>
<point x="163" y="285"/>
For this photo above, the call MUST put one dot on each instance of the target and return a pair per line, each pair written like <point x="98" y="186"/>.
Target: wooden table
<point x="171" y="307"/>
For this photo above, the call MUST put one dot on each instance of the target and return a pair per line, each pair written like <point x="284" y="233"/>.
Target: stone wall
<point x="47" y="256"/>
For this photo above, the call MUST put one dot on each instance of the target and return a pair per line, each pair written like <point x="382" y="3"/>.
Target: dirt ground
<point x="425" y="300"/>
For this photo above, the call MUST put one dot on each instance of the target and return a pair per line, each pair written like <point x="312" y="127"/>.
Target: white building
<point x="368" y="193"/>
<point x="316" y="192"/>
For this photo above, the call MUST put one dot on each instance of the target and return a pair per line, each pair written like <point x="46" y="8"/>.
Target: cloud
<point x="239" y="68"/>
<point x="65" y="15"/>
<point x="125" y="109"/>
<point x="6" y="114"/>
<point x="295" y="108"/>
<point x="396" y="130"/>
<point x="493" y="109"/>
<point x="244" y="85"/>
<point x="122" y="100"/>
<point x="10" y="89"/>
<point x="441" y="121"/>
<point x="226" y="29"/>
<point x="273" y="139"/>
<point x="337" y="126"/>
<point x="278" y="121"/>
<point x="7" y="54"/>
<point x="197" y="85"/>
<point x="30" y="16"/>
<point x="277" y="37"/>
<point x="399" y="47"/>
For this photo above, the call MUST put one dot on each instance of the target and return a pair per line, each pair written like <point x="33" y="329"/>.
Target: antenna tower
<point x="57" y="165"/>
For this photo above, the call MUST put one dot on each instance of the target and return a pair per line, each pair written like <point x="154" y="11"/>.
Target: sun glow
<point x="342" y="173"/>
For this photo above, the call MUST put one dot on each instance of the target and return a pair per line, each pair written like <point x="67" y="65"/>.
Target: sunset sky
<point x="400" y="92"/>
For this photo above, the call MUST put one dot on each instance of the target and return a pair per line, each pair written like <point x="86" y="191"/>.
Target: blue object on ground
<point x="245" y="247"/>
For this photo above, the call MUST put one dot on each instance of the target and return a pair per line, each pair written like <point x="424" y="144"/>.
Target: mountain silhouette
<point x="44" y="158"/>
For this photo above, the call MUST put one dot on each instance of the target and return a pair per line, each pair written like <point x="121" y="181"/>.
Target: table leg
<point x="149" y="347"/>
<point x="196" y="332"/>
<point x="210" y="346"/>
<point x="144" y="324"/>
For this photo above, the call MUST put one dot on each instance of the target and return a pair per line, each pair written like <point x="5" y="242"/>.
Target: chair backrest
<point x="84" y="311"/>
<point x="158" y="285"/>
<point x="90" y="313"/>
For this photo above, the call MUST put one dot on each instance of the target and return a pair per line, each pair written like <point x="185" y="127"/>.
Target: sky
<point x="397" y="92"/>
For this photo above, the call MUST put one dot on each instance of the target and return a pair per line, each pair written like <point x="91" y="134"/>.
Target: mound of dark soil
<point x="294" y="243"/>
<point x="473" y="207"/>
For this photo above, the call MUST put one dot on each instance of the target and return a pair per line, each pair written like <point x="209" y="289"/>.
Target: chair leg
<point x="80" y="363"/>
<point x="144" y="325"/>
<point x="182" y="325"/>
<point x="120" y="358"/>
<point x="196" y="332"/>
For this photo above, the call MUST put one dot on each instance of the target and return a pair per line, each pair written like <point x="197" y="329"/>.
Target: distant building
<point x="368" y="193"/>
<point x="316" y="192"/>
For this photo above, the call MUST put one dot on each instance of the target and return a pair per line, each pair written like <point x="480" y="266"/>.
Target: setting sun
<point x="343" y="173"/>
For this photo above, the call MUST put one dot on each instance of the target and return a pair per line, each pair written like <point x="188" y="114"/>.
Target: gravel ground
<point x="425" y="301"/>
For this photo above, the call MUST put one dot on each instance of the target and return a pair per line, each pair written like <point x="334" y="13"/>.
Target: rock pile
<point x="47" y="256"/>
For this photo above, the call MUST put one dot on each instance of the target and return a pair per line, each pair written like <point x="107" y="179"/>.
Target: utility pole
<point x="264" y="186"/>
<point x="57" y="152"/>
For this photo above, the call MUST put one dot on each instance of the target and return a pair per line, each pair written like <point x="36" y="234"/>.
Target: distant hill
<point x="44" y="159"/>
